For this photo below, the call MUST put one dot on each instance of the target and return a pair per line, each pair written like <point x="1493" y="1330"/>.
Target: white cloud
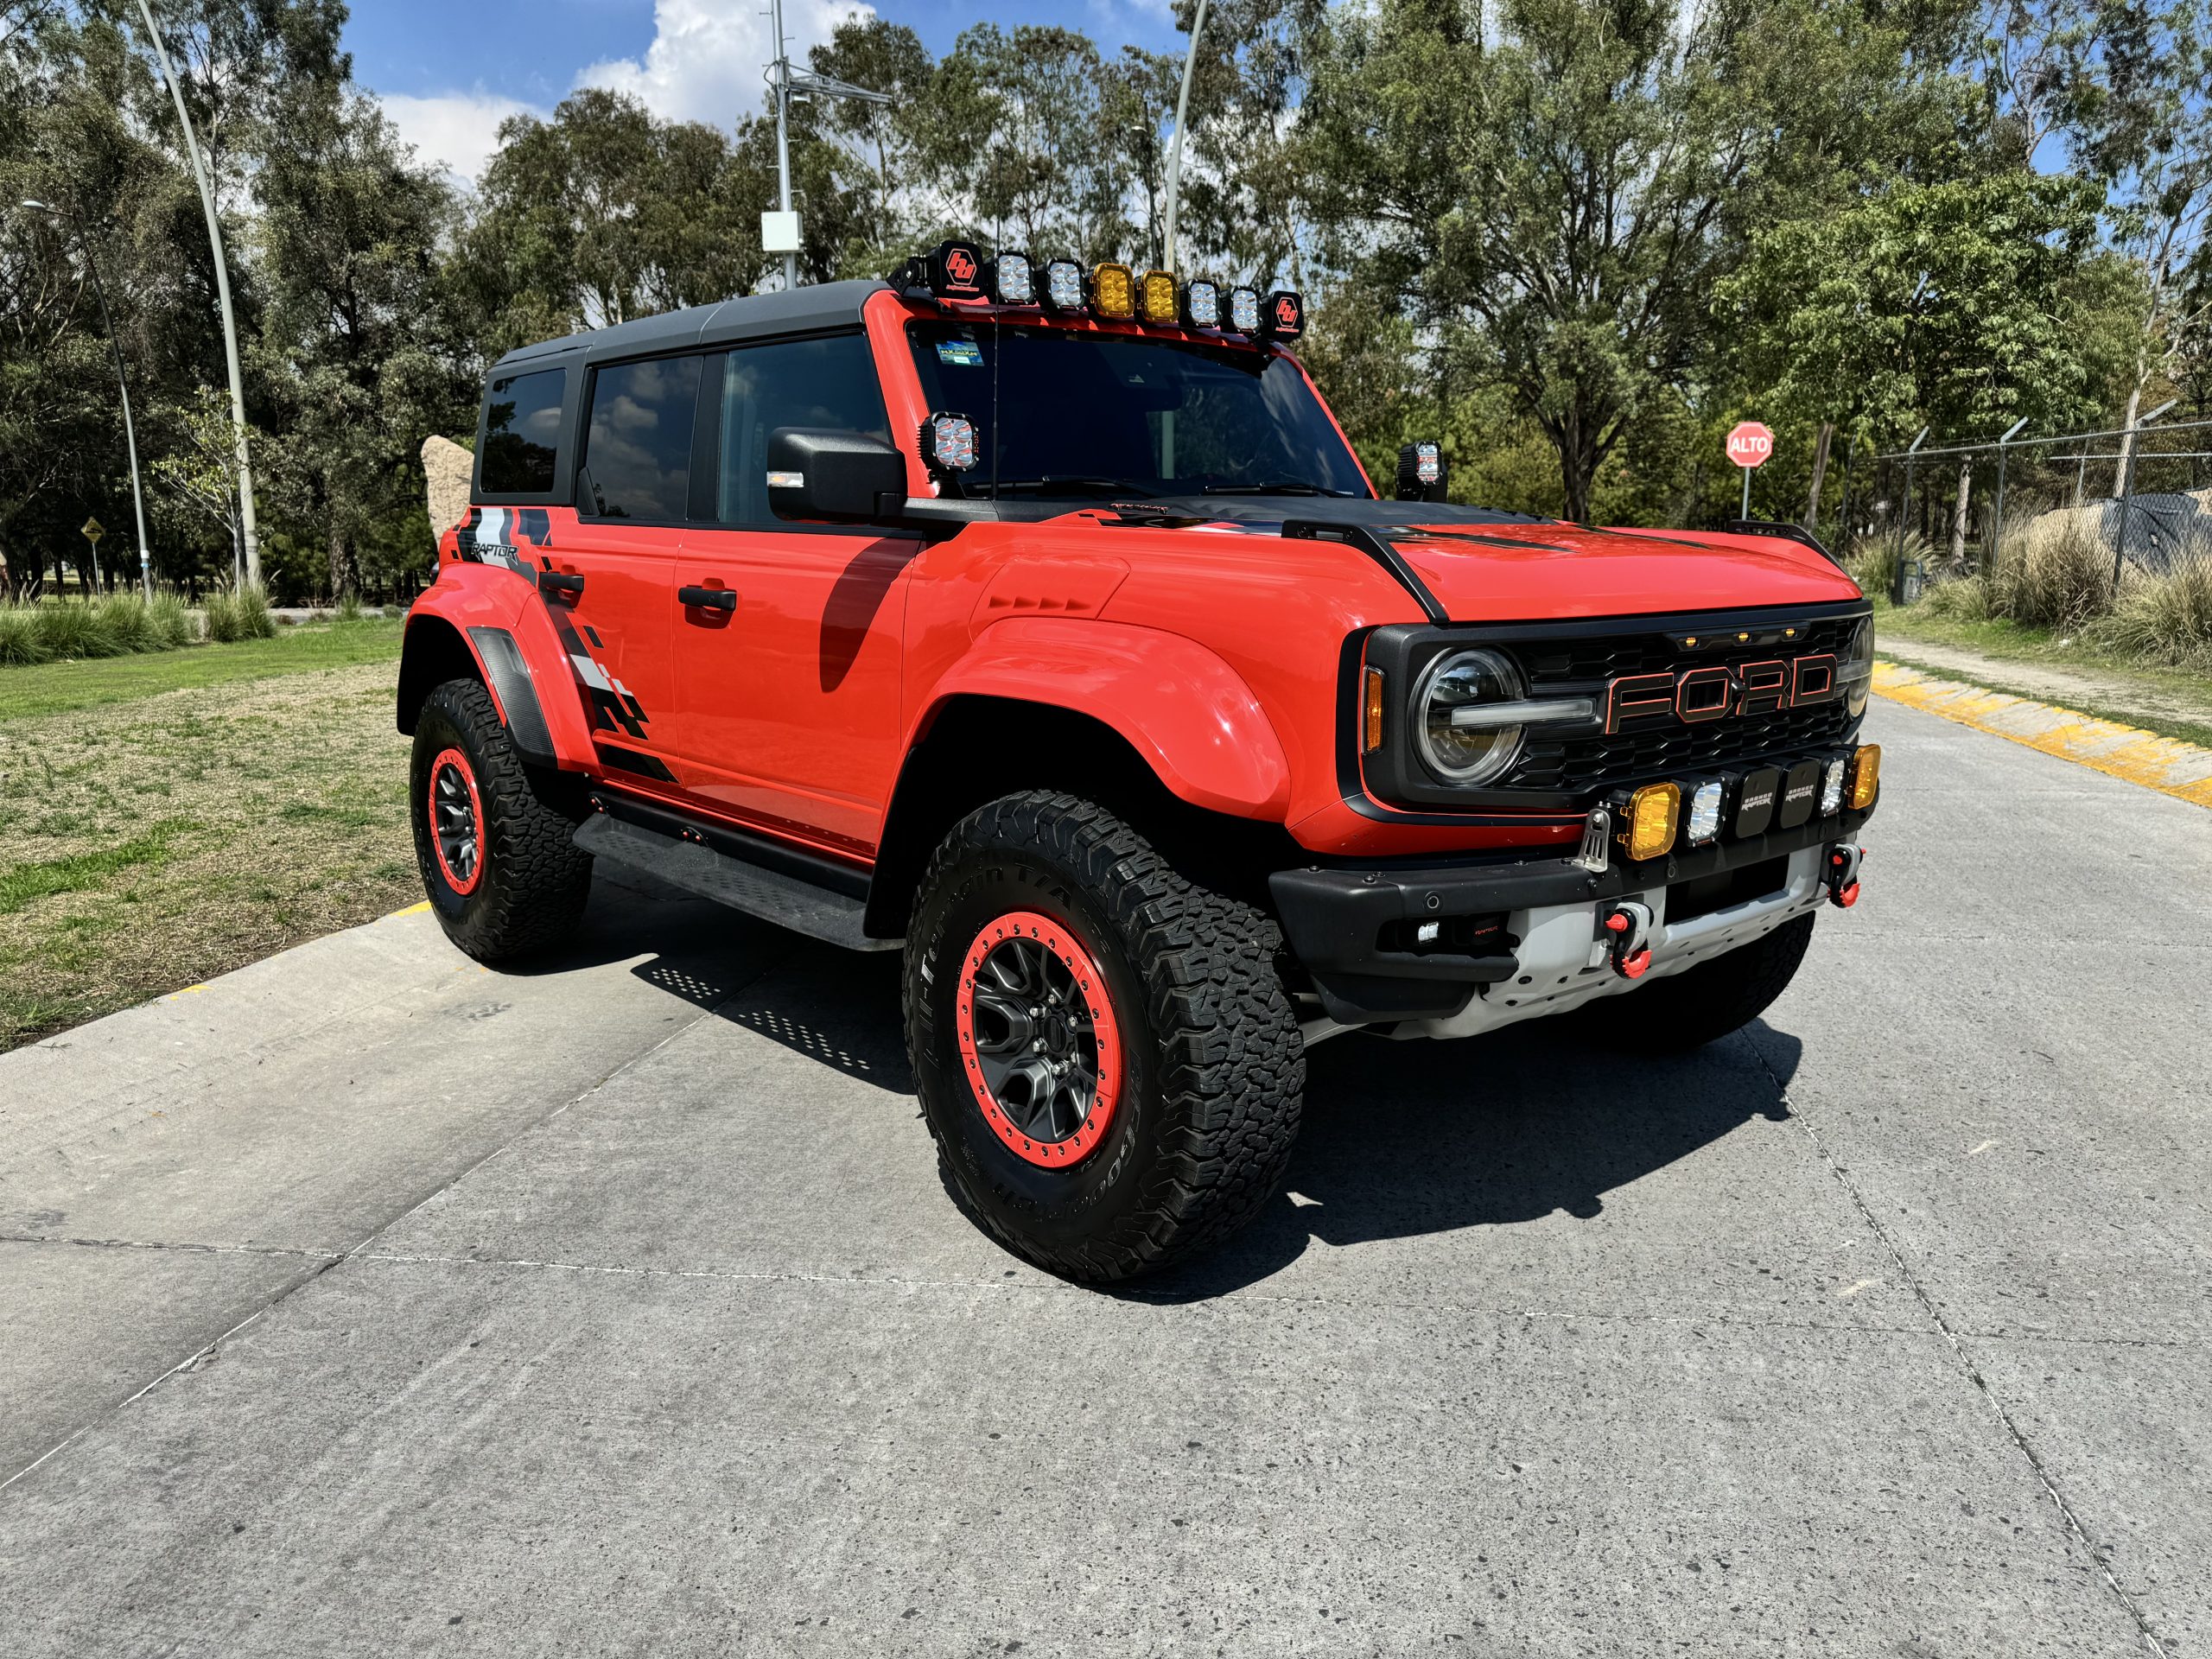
<point x="458" y="131"/>
<point x="709" y="58"/>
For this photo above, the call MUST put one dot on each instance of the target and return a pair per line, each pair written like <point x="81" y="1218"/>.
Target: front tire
<point x="1104" y="1051"/>
<point x="501" y="866"/>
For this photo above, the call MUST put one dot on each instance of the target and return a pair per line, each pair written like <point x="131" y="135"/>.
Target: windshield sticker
<point x="965" y="353"/>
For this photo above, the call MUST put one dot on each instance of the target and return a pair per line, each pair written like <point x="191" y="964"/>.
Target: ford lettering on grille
<point x="1721" y="692"/>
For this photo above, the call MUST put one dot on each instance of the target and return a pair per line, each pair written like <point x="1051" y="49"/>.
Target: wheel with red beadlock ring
<point x="499" y="862"/>
<point x="1103" y="1050"/>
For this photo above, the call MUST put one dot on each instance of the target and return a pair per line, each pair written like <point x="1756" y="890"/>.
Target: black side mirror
<point x="844" y="477"/>
<point x="1422" y="475"/>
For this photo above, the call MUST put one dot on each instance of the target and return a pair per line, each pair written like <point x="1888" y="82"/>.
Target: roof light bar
<point x="1244" y="310"/>
<point x="1063" y="285"/>
<point x="1014" y="280"/>
<point x="1114" y="292"/>
<point x="1156" y="297"/>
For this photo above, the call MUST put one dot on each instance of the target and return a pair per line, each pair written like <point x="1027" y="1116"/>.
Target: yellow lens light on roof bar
<point x="1373" y="711"/>
<point x="1158" y="296"/>
<point x="1114" y="292"/>
<point x="1866" y="776"/>
<point x="1648" y="825"/>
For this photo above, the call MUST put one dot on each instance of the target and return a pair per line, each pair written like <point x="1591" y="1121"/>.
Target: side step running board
<point x="771" y="895"/>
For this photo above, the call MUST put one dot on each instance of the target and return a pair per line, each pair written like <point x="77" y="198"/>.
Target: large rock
<point x="448" y="468"/>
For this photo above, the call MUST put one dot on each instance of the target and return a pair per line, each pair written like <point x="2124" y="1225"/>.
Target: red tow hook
<point x="1843" y="875"/>
<point x="1629" y="924"/>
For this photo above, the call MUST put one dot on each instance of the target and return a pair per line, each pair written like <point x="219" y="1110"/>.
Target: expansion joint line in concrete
<point x="324" y="1263"/>
<point x="1967" y="1365"/>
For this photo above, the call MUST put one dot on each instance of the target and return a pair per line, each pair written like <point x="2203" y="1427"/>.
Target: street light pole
<point x="1175" y="138"/>
<point x="251" y="535"/>
<point x="122" y="386"/>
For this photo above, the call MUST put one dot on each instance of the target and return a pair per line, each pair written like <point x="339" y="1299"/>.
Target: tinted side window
<point x="637" y="451"/>
<point x="827" y="383"/>
<point x="522" y="433"/>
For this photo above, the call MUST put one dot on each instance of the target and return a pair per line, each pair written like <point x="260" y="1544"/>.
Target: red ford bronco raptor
<point x="1040" y="621"/>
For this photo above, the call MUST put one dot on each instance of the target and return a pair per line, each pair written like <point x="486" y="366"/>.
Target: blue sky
<point x="448" y="71"/>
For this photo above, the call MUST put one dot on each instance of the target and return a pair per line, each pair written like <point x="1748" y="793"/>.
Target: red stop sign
<point x="1751" y="443"/>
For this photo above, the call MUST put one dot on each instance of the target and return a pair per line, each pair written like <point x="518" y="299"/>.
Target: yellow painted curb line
<point x="2181" y="770"/>
<point x="411" y="910"/>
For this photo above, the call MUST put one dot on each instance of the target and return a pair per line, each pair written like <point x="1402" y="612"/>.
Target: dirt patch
<point x="151" y="844"/>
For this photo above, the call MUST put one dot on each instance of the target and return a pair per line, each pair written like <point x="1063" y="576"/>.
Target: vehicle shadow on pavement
<point x="1401" y="1140"/>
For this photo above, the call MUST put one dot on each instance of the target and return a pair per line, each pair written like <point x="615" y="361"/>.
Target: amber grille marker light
<point x="1652" y="814"/>
<point x="1866" y="776"/>
<point x="1374" y="710"/>
<point x="1114" y="292"/>
<point x="1159" y="296"/>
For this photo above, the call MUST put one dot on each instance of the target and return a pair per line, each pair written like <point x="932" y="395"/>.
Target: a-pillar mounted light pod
<point x="1421" y="472"/>
<point x="1843" y="875"/>
<point x="1627" y="931"/>
<point x="949" y="444"/>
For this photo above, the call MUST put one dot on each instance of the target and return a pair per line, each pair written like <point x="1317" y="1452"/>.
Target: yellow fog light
<point x="1648" y="825"/>
<point x="1114" y="292"/>
<point x="1866" y="776"/>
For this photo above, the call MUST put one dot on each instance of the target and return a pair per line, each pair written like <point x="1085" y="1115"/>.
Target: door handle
<point x="709" y="599"/>
<point x="560" y="583"/>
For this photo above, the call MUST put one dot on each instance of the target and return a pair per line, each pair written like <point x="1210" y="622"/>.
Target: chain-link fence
<point x="2143" y="493"/>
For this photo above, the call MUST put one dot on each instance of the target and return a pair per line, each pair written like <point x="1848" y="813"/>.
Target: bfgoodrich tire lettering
<point x="1213" y="1065"/>
<point x="521" y="886"/>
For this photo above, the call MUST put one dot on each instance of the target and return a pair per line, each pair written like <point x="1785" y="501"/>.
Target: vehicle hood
<point x="1517" y="572"/>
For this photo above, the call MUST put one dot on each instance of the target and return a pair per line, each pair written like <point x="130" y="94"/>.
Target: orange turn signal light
<point x="1866" y="776"/>
<point x="1648" y="825"/>
<point x="1114" y="292"/>
<point x="1371" y="703"/>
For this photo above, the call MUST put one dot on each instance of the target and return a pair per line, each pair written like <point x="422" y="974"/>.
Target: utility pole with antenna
<point x="779" y="228"/>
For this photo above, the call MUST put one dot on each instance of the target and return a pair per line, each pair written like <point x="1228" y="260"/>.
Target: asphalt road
<point x="368" y="1303"/>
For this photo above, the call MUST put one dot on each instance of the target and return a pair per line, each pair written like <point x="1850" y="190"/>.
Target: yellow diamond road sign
<point x="93" y="531"/>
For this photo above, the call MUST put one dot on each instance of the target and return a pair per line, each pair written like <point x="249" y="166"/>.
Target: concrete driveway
<point x="368" y="1303"/>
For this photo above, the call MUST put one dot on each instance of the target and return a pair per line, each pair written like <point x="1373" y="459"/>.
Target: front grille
<point x="1584" y="762"/>
<point x="1660" y="751"/>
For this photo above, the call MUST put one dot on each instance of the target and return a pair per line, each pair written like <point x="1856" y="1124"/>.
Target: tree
<point x="1577" y="183"/>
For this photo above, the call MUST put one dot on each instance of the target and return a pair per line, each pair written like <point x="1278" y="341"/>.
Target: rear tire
<point x="1149" y="1106"/>
<point x="1705" y="1004"/>
<point x="498" y="861"/>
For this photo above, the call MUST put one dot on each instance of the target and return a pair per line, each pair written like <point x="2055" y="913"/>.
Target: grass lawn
<point x="2171" y="702"/>
<point x="170" y="818"/>
<point x="54" y="688"/>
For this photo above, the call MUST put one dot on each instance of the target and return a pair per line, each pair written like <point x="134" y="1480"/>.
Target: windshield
<point x="1083" y="414"/>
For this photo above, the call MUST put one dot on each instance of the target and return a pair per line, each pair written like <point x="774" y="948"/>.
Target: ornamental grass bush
<point x="2167" y="619"/>
<point x="129" y="626"/>
<point x="21" y="643"/>
<point x="74" y="630"/>
<point x="2060" y="578"/>
<point x="220" y="611"/>
<point x="254" y="619"/>
<point x="172" y="623"/>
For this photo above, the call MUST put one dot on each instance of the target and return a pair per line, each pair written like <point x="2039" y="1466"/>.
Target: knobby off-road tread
<point x="1227" y="1052"/>
<point x="536" y="878"/>
<point x="1707" y="1002"/>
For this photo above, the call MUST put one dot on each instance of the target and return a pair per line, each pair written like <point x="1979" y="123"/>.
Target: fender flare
<point x="496" y="618"/>
<point x="1186" y="713"/>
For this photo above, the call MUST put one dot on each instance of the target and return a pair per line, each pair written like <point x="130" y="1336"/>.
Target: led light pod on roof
<point x="1201" y="304"/>
<point x="1063" y="285"/>
<point x="1244" y="310"/>
<point x="1156" y="297"/>
<point x="1114" y="292"/>
<point x="1014" y="280"/>
<point x="1285" y="317"/>
<point x="955" y="272"/>
<point x="949" y="444"/>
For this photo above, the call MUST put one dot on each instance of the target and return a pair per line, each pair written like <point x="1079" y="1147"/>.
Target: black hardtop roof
<point x="829" y="305"/>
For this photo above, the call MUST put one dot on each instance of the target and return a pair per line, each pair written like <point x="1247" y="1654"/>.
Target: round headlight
<point x="1457" y="742"/>
<point x="1857" y="675"/>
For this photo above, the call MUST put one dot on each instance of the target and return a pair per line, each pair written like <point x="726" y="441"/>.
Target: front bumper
<point x="1507" y="924"/>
